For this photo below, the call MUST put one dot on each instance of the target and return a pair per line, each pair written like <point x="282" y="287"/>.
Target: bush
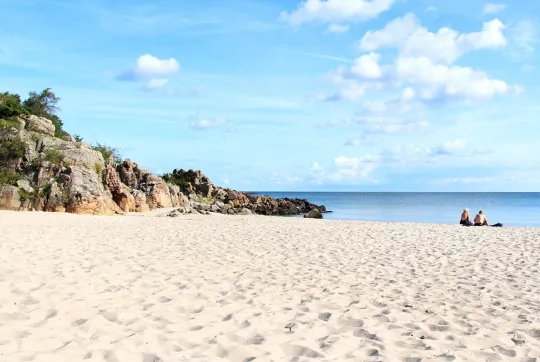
<point x="204" y="200"/>
<point x="25" y="195"/>
<point x="44" y="191"/>
<point x="54" y="156"/>
<point x="8" y="123"/>
<point x="11" y="150"/>
<point x="10" y="105"/>
<point x="77" y="138"/>
<point x="9" y="178"/>
<point x="182" y="182"/>
<point x="108" y="152"/>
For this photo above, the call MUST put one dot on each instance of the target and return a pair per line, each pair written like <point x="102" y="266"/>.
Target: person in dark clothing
<point x="465" y="218"/>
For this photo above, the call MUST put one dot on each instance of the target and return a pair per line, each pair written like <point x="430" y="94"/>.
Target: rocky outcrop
<point x="61" y="175"/>
<point x="40" y="125"/>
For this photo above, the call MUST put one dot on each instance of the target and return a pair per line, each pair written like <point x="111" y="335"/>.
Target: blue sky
<point x="356" y="95"/>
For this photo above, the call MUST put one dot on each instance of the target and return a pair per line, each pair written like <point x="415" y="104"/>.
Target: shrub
<point x="11" y="150"/>
<point x="10" y="105"/>
<point x="181" y="181"/>
<point x="77" y="138"/>
<point x="44" y="191"/>
<point x="9" y="178"/>
<point x="204" y="200"/>
<point x="25" y="195"/>
<point x="8" y="123"/>
<point x="99" y="168"/>
<point x="108" y="152"/>
<point x="54" y="156"/>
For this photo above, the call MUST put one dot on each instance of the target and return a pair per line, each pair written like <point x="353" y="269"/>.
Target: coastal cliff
<point x="44" y="168"/>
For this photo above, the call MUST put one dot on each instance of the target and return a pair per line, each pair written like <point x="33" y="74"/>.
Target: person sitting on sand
<point x="465" y="218"/>
<point x="480" y="219"/>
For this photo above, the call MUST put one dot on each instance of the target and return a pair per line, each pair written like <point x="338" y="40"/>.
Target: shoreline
<point x="162" y="212"/>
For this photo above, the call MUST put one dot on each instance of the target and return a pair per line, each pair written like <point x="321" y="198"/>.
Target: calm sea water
<point x="511" y="209"/>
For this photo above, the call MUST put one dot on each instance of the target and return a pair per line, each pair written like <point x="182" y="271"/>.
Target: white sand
<point x="211" y="288"/>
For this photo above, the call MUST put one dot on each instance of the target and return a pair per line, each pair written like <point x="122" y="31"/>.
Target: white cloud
<point x="155" y="83"/>
<point x="445" y="45"/>
<point x="367" y="67"/>
<point x="448" y="82"/>
<point x="336" y="11"/>
<point x="491" y="8"/>
<point x="200" y="124"/>
<point x="148" y="66"/>
<point x="338" y="28"/>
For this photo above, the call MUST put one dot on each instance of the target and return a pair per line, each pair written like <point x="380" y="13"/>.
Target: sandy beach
<point x="254" y="288"/>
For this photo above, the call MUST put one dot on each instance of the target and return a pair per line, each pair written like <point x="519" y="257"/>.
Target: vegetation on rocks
<point x="108" y="152"/>
<point x="9" y="178"/>
<point x="44" y="104"/>
<point x="8" y="123"/>
<point x="182" y="181"/>
<point x="25" y="195"/>
<point x="10" y="105"/>
<point x="11" y="150"/>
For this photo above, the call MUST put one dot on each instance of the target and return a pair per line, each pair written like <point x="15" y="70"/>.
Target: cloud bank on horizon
<point x="375" y="95"/>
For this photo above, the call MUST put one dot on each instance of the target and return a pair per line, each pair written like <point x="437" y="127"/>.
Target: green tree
<point x="10" y="105"/>
<point x="44" y="104"/>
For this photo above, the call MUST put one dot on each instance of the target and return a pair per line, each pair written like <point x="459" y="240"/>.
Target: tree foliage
<point x="10" y="105"/>
<point x="45" y="104"/>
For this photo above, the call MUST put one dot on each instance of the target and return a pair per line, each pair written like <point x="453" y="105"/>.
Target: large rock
<point x="87" y="194"/>
<point x="56" y="199"/>
<point x="314" y="214"/>
<point x="157" y="192"/>
<point x="140" y="201"/>
<point x="9" y="198"/>
<point x="75" y="153"/>
<point x="40" y="125"/>
<point x="130" y="173"/>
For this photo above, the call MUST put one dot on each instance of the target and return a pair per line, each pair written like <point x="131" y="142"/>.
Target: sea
<point x="521" y="209"/>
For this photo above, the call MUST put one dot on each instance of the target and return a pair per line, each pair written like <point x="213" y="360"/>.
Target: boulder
<point x="314" y="214"/>
<point x="75" y="153"/>
<point x="245" y="211"/>
<point x="140" y="201"/>
<point x="87" y="194"/>
<point x="40" y="125"/>
<point x="25" y="185"/>
<point x="55" y="199"/>
<point x="157" y="192"/>
<point x="9" y="198"/>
